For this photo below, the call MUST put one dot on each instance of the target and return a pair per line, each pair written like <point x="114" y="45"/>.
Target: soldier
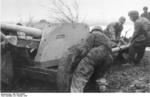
<point x="96" y="49"/>
<point x="141" y="37"/>
<point x="96" y="60"/>
<point x="114" y="29"/>
<point x="146" y="14"/>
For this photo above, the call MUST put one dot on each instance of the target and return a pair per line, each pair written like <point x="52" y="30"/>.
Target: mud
<point x="129" y="78"/>
<point x="120" y="78"/>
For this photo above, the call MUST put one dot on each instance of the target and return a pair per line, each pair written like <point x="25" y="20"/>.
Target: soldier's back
<point x="101" y="38"/>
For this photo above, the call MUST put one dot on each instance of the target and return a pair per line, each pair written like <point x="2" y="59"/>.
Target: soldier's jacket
<point x="95" y="40"/>
<point x="75" y="54"/>
<point x="146" y="15"/>
<point x="113" y="30"/>
<point x="141" y="30"/>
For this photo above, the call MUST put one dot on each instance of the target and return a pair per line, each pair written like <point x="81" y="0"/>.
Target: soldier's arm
<point x="107" y="64"/>
<point x="137" y="28"/>
<point x="88" y="44"/>
<point x="112" y="31"/>
<point x="119" y="34"/>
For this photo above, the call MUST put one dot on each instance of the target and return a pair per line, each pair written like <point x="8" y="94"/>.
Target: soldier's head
<point x="122" y="20"/>
<point x="97" y="28"/>
<point x="134" y="15"/>
<point x="145" y="9"/>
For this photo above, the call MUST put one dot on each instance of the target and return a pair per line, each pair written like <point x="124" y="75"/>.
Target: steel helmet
<point x="97" y="28"/>
<point x="133" y="13"/>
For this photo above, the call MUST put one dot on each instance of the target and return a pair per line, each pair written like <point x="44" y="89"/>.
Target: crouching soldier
<point x="141" y="37"/>
<point x="96" y="61"/>
<point x="84" y="63"/>
<point x="114" y="29"/>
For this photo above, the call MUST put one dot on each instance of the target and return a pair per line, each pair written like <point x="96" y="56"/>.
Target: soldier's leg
<point x="82" y="75"/>
<point x="86" y="68"/>
<point x="101" y="70"/>
<point x="132" y="53"/>
<point x="140" y="55"/>
<point x="140" y="48"/>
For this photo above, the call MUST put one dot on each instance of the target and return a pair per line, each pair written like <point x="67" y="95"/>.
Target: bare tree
<point x="30" y="21"/>
<point x="65" y="13"/>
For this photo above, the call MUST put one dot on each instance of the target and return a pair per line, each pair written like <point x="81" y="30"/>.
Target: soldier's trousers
<point x="91" y="68"/>
<point x="137" y="50"/>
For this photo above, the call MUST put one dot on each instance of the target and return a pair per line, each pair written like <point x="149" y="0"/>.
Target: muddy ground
<point x="129" y="78"/>
<point x="120" y="78"/>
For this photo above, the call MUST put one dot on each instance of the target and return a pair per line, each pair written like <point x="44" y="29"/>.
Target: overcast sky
<point x="94" y="11"/>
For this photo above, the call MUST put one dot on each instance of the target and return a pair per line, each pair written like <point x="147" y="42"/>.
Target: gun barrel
<point x="116" y="49"/>
<point x="28" y="30"/>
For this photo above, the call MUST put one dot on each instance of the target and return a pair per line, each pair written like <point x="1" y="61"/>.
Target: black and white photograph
<point x="74" y="46"/>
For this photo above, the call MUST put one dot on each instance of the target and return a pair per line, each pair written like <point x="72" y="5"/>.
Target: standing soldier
<point x="114" y="29"/>
<point x="141" y="37"/>
<point x="146" y="14"/>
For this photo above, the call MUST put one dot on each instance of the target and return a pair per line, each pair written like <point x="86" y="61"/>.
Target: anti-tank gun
<point x="49" y="46"/>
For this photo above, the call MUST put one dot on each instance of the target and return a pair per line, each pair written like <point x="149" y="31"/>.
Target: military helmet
<point x="133" y="13"/>
<point x="97" y="28"/>
<point x="122" y="18"/>
<point x="145" y="8"/>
